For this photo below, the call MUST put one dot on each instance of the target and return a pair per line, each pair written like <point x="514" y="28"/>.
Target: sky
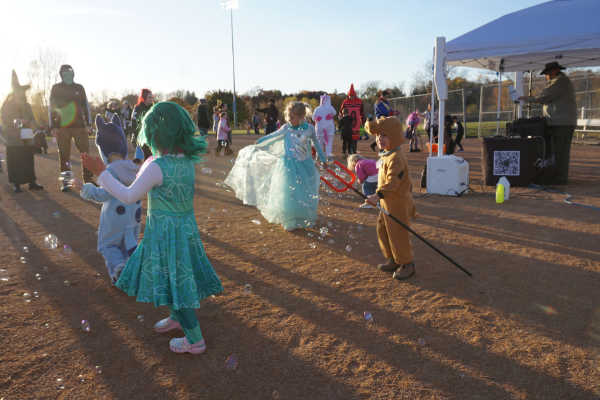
<point x="285" y="45"/>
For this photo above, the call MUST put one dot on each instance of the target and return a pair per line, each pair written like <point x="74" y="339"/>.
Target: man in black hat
<point x="560" y="111"/>
<point x="70" y="117"/>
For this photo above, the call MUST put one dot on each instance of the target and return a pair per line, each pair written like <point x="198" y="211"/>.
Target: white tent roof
<point x="567" y="31"/>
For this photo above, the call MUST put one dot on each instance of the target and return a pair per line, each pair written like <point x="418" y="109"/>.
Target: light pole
<point x="232" y="5"/>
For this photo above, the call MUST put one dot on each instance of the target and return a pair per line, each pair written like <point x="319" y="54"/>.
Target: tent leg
<point x="499" y="96"/>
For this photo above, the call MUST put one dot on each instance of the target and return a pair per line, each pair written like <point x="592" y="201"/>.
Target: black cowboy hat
<point x="15" y="86"/>
<point x="551" y="66"/>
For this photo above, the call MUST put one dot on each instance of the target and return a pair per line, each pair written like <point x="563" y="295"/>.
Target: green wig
<point x="167" y="128"/>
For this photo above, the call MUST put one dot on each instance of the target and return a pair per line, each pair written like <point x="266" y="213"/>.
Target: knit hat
<point x="110" y="138"/>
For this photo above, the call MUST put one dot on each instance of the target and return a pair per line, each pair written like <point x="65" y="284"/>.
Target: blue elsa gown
<point x="279" y="176"/>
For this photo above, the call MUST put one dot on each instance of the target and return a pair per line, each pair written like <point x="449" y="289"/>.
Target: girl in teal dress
<point x="169" y="267"/>
<point x="278" y="175"/>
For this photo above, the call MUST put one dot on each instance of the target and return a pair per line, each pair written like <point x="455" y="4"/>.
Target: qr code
<point x="507" y="163"/>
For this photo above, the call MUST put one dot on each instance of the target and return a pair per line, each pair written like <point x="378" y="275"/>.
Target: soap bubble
<point x="225" y="211"/>
<point x="313" y="246"/>
<point x="26" y="249"/>
<point x="359" y="227"/>
<point x="248" y="288"/>
<point x="231" y="362"/>
<point x="140" y="318"/>
<point x="421" y="342"/>
<point x="36" y="295"/>
<point x="256" y="222"/>
<point x="60" y="384"/>
<point x="85" y="325"/>
<point x="276" y="394"/>
<point x="98" y="369"/>
<point x="324" y="231"/>
<point x="67" y="283"/>
<point x="211" y="209"/>
<point x="232" y="160"/>
<point x="368" y="316"/>
<point x="18" y="123"/>
<point x="330" y="241"/>
<point x="348" y="248"/>
<point x="67" y="249"/>
<point x="329" y="224"/>
<point x="206" y="171"/>
<point x="23" y="260"/>
<point x="81" y="378"/>
<point x="310" y="234"/>
<point x="38" y="277"/>
<point x="27" y="297"/>
<point x="45" y="269"/>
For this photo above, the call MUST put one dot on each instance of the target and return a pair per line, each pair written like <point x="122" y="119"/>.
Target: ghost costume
<point x="325" y="126"/>
<point x="119" y="228"/>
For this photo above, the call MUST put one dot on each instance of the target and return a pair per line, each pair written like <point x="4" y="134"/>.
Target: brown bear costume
<point x="394" y="188"/>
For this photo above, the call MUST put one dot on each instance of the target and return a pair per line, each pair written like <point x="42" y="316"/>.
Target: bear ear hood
<point x="388" y="126"/>
<point x="325" y="100"/>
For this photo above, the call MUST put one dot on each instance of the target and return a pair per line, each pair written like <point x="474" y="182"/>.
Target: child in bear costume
<point x="119" y="229"/>
<point x="394" y="192"/>
<point x="323" y="116"/>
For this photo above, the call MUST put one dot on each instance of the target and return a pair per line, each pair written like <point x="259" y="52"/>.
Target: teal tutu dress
<point x="279" y="176"/>
<point x="169" y="266"/>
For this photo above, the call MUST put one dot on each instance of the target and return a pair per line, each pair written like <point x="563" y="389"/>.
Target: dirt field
<point x="525" y="326"/>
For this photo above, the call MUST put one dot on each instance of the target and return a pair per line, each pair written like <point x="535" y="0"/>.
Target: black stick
<point x="414" y="233"/>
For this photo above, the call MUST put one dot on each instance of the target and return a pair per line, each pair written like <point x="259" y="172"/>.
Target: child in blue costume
<point x="278" y="175"/>
<point x="119" y="228"/>
<point x="169" y="267"/>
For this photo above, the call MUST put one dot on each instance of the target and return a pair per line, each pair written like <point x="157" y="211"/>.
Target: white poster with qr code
<point x="507" y="163"/>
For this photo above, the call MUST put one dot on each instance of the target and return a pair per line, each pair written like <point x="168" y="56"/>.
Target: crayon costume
<point x="394" y="188"/>
<point x="325" y="126"/>
<point x="279" y="177"/>
<point x="119" y="228"/>
<point x="357" y="112"/>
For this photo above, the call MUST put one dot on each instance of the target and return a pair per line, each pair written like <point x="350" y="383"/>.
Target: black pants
<point x="347" y="144"/>
<point x="562" y="135"/>
<point x="271" y="128"/>
<point x="354" y="146"/>
<point x="221" y="144"/>
<point x="256" y="129"/>
<point x="459" y="137"/>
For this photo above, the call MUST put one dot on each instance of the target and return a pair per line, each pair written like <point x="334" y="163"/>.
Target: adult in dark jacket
<point x="204" y="123"/>
<point x="560" y="111"/>
<point x="144" y="103"/>
<point x="460" y="133"/>
<point x="271" y="116"/>
<point x="125" y="118"/>
<point x="70" y="118"/>
<point x="16" y="114"/>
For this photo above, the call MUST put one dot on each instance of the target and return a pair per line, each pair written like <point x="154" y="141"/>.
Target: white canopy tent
<point x="566" y="31"/>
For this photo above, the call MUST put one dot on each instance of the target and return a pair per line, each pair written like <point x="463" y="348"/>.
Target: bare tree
<point x="43" y="73"/>
<point x="422" y="79"/>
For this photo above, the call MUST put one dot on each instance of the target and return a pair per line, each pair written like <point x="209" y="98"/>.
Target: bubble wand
<point x="349" y="185"/>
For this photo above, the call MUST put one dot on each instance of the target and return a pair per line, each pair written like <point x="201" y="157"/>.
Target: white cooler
<point x="447" y="175"/>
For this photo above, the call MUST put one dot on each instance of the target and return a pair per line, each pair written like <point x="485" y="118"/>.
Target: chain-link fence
<point x="477" y="107"/>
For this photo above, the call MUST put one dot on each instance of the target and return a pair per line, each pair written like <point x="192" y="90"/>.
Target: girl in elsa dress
<point x="278" y="175"/>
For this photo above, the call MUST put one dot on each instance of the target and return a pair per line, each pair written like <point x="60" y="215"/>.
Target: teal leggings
<point x="189" y="322"/>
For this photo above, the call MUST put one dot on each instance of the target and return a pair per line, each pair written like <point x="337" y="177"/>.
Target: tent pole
<point x="464" y="112"/>
<point x="499" y="94"/>
<point x="529" y="95"/>
<point x="432" y="109"/>
<point x="480" y="111"/>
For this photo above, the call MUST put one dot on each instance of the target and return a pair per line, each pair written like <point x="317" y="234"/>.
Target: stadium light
<point x="232" y="5"/>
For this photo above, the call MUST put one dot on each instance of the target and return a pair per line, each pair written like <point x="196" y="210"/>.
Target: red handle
<point x="347" y="185"/>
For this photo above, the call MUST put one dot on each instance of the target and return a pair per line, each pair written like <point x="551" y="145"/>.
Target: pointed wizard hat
<point x="15" y="86"/>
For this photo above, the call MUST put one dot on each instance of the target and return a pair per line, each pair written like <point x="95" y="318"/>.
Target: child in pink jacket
<point x="366" y="173"/>
<point x="223" y="133"/>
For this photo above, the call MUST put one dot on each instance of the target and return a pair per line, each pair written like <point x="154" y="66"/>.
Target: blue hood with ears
<point x="110" y="138"/>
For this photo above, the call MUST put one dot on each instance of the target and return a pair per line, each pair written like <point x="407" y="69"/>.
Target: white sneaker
<point x="365" y="205"/>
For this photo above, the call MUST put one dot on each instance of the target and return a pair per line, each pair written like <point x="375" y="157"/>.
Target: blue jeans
<point x="203" y="131"/>
<point x="369" y="188"/>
